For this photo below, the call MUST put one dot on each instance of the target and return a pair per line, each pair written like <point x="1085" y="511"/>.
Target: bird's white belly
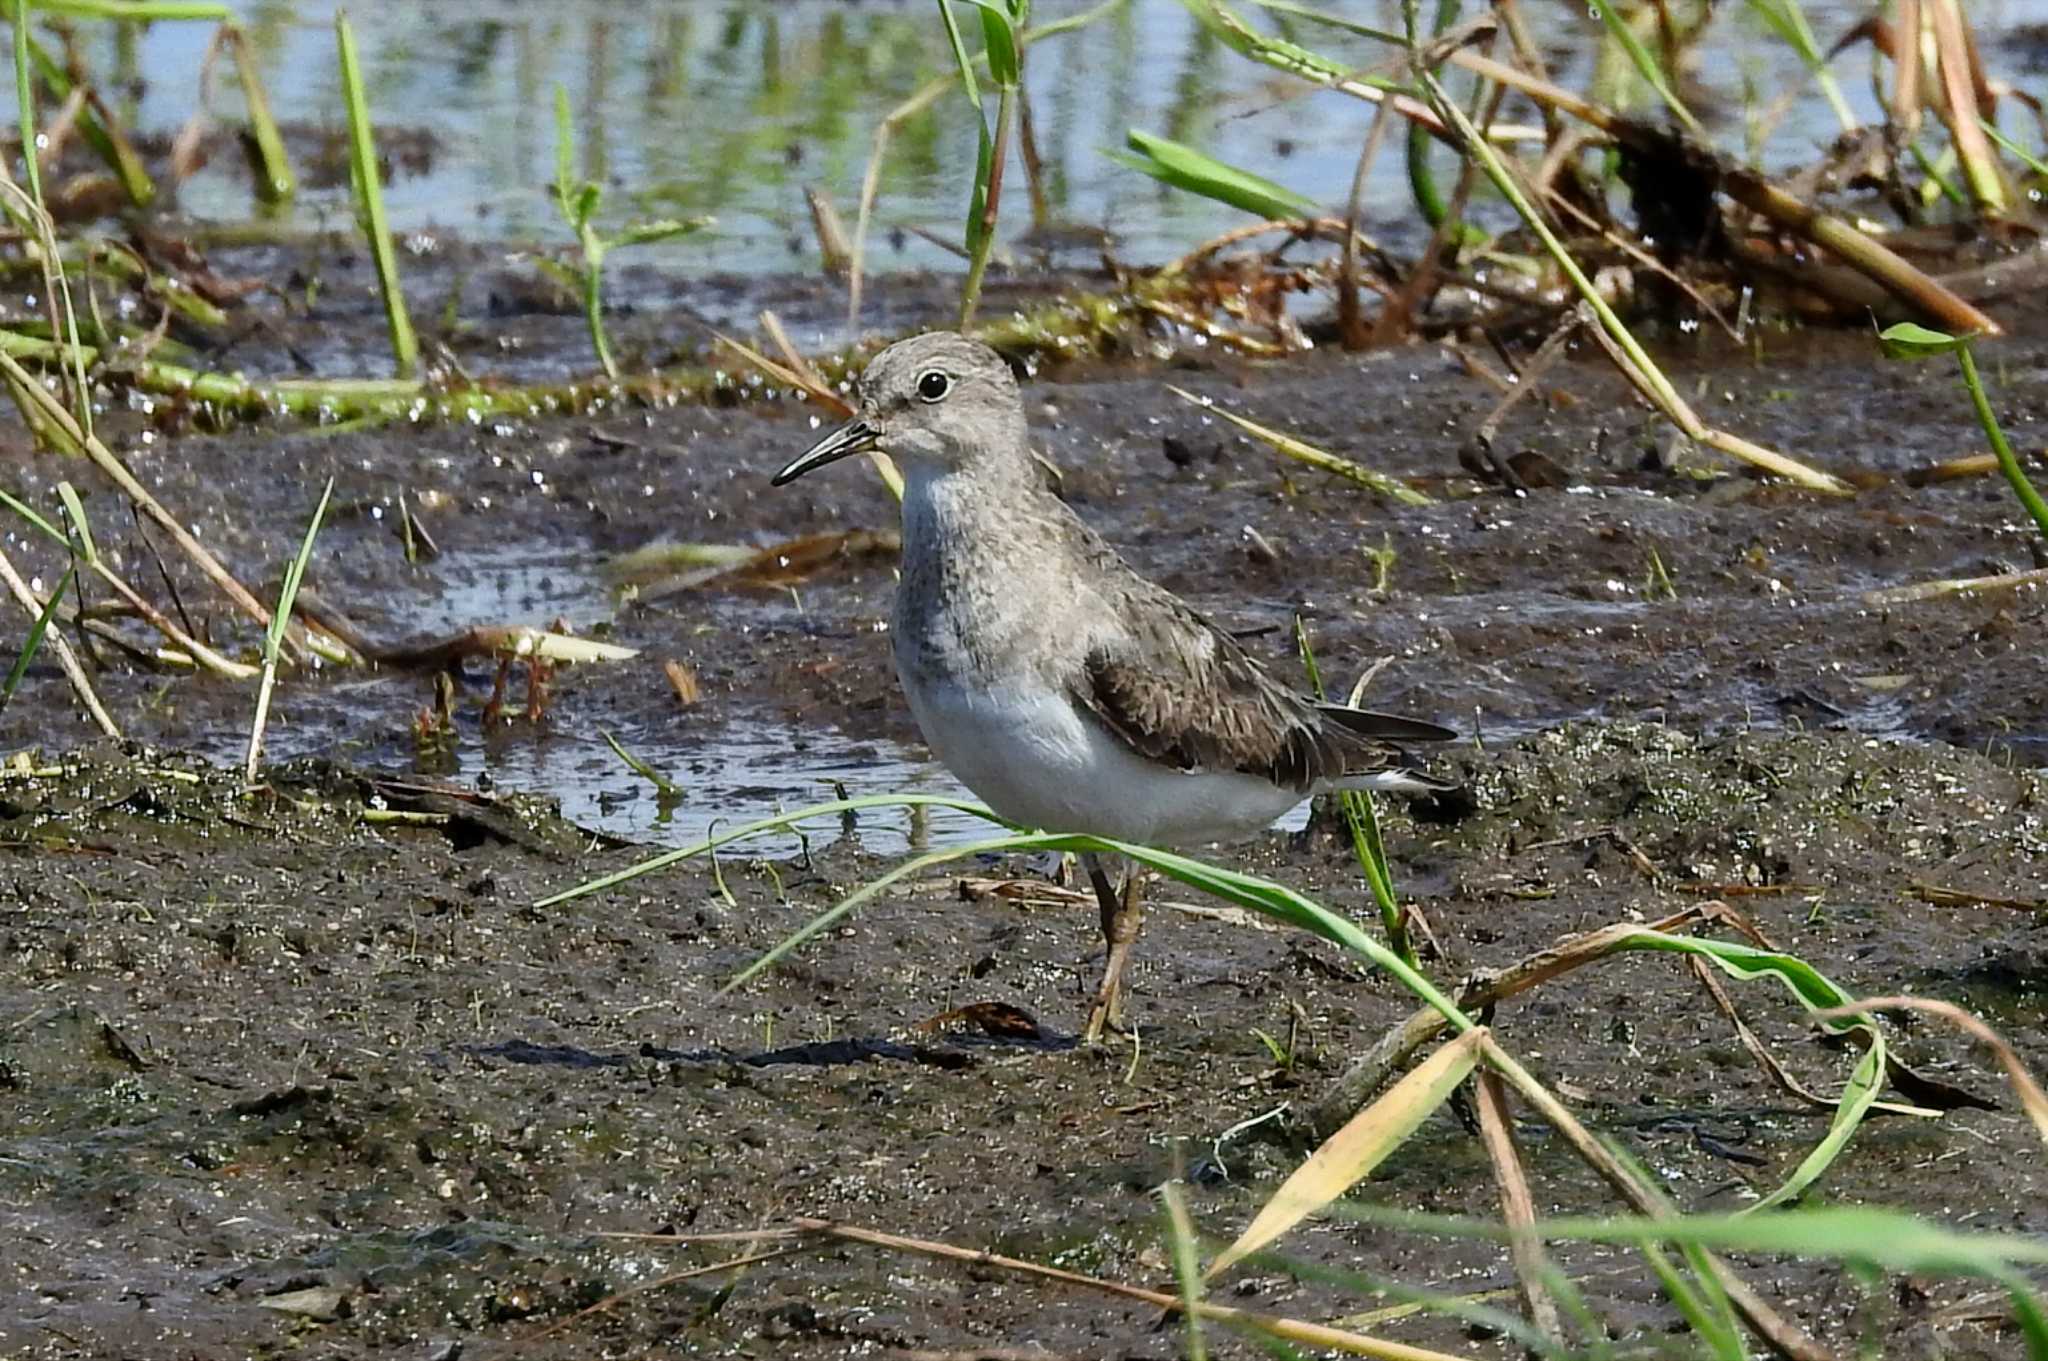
<point x="1034" y="759"/>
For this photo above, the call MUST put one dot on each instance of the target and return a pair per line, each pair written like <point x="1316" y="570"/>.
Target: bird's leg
<point x="1121" y="917"/>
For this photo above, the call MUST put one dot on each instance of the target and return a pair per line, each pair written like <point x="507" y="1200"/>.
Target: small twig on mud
<point x="1941" y="896"/>
<point x="611" y="1301"/>
<point x="1935" y="590"/>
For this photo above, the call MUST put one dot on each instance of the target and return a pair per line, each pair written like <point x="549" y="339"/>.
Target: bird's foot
<point x="1106" y="1015"/>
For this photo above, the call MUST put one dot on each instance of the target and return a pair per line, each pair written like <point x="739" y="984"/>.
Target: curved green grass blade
<point x="1248" y="891"/>
<point x="780" y="822"/>
<point x="1183" y="167"/>
<point x="1817" y="993"/>
<point x="872" y="889"/>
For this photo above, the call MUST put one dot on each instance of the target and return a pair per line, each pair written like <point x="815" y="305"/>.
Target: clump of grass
<point x="578" y="202"/>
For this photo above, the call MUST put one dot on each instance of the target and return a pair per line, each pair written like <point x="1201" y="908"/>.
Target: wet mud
<point x="307" y="1074"/>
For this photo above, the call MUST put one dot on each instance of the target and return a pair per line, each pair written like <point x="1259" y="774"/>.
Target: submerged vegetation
<point x="1541" y="218"/>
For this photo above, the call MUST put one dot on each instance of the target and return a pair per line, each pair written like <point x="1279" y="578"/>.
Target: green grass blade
<point x="25" y="101"/>
<point x="2026" y="158"/>
<point x="999" y="25"/>
<point x="868" y="892"/>
<point x="663" y="785"/>
<point x="1788" y="20"/>
<point x="1337" y="21"/>
<point x="1185" y="168"/>
<point x="280" y="623"/>
<point x="2008" y="462"/>
<point x="1362" y="820"/>
<point x="565" y="157"/>
<point x="275" y="183"/>
<point x="1816" y="992"/>
<point x="362" y="153"/>
<point x="1187" y="1266"/>
<point x="35" y="518"/>
<point x="781" y="822"/>
<point x="74" y="511"/>
<point x="968" y="84"/>
<point x="1624" y="34"/>
<point x="34" y="642"/>
<point x="281" y="617"/>
<point x="2026" y="1311"/>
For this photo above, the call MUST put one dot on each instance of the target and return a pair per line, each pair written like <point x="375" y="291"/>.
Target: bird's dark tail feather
<point x="1385" y="727"/>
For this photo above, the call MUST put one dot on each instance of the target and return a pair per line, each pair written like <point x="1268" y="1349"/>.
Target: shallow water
<point x="733" y="109"/>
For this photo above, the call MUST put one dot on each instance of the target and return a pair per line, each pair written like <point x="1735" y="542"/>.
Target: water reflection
<point x="734" y="109"/>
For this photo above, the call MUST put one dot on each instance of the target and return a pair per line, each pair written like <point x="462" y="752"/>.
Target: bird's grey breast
<point x="979" y="602"/>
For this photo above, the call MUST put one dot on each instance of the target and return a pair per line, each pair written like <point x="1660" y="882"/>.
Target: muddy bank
<point x="1694" y="597"/>
<point x="285" y="1079"/>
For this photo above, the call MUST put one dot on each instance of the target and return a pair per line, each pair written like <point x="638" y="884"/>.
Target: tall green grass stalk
<point x="273" y="638"/>
<point x="275" y="183"/>
<point x="1362" y="819"/>
<point x="25" y="102"/>
<point x="1909" y="340"/>
<point x="1002" y="21"/>
<point x="369" y="191"/>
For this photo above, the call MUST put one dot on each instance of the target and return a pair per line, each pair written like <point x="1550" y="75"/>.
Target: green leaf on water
<point x="1183" y="167"/>
<point x="1911" y="340"/>
<point x="640" y="233"/>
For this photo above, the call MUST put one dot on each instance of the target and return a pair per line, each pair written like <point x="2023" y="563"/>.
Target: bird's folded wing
<point x="1186" y="694"/>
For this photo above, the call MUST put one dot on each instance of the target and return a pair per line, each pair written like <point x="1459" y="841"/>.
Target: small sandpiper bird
<point x="1068" y="692"/>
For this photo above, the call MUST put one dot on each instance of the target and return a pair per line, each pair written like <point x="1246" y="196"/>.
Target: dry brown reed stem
<point x="104" y="459"/>
<point x="54" y="638"/>
<point x="1905" y="104"/>
<point x="612" y="1301"/>
<point x="1959" y="106"/>
<point x="1935" y="590"/>
<point x="200" y="653"/>
<point x="1273" y="1325"/>
<point x="1753" y="191"/>
<point x="1289" y="1329"/>
<point x="1350" y="318"/>
<point x="1765" y="1059"/>
<point x="1517" y="1205"/>
<point x="1783" y="1336"/>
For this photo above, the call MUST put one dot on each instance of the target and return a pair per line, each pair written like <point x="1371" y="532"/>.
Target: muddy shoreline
<point x="284" y="1076"/>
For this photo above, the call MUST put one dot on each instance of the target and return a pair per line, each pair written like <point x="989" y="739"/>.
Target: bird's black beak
<point x="854" y="437"/>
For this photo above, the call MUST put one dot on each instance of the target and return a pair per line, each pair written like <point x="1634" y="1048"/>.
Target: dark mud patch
<point x="281" y="1078"/>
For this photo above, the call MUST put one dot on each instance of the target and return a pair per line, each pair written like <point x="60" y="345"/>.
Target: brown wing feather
<point x="1186" y="693"/>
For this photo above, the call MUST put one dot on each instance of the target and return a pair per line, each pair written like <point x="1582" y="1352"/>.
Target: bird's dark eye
<point x="933" y="385"/>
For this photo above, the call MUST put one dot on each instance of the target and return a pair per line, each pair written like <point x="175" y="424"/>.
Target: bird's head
<point x="936" y="403"/>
